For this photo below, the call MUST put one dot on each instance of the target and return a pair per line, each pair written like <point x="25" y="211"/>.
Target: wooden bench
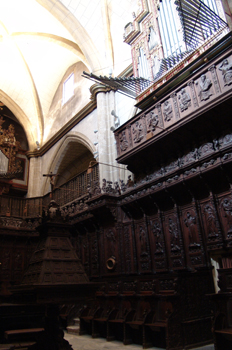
<point x="22" y="332"/>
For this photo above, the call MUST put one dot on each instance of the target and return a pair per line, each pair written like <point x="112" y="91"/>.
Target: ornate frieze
<point x="180" y="104"/>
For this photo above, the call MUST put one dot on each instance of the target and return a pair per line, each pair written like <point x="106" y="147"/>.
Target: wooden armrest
<point x="22" y="331"/>
<point x="224" y="331"/>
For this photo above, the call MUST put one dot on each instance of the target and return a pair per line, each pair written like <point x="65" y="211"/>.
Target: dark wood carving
<point x="142" y="246"/>
<point x="157" y="243"/>
<point x="173" y="237"/>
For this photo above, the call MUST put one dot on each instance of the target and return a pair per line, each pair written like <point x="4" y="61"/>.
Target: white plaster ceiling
<point x="40" y="39"/>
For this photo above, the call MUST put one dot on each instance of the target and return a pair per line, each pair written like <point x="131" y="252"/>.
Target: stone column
<point x="107" y="152"/>
<point x="35" y="177"/>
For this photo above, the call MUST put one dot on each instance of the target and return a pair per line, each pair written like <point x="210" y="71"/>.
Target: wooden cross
<point x="52" y="182"/>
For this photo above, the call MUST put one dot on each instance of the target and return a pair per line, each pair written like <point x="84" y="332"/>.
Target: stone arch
<point x="84" y="41"/>
<point x="65" y="161"/>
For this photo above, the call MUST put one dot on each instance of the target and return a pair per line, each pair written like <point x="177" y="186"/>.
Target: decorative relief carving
<point x="137" y="131"/>
<point x="159" y="243"/>
<point x="123" y="141"/>
<point x="191" y="223"/>
<point x="129" y="286"/>
<point x="167" y="284"/>
<point x="225" y="140"/>
<point x="152" y="121"/>
<point x="111" y="238"/>
<point x="176" y="263"/>
<point x="196" y="260"/>
<point x="143" y="240"/>
<point x="206" y="164"/>
<point x="226" y="69"/>
<point x="167" y="111"/>
<point x="211" y="225"/>
<point x="189" y="158"/>
<point x="227" y="208"/>
<point x="184" y="100"/>
<point x="205" y="85"/>
<point x="174" y="235"/>
<point x="205" y="149"/>
<point x="8" y="150"/>
<point x="147" y="286"/>
<point x="171" y="166"/>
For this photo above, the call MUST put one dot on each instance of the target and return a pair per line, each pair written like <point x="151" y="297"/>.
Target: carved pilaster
<point x="161" y="122"/>
<point x="212" y="69"/>
<point x="176" y="109"/>
<point x="129" y="135"/>
<point x="193" y="92"/>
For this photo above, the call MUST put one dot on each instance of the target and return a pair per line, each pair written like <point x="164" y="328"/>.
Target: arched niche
<point x="72" y="158"/>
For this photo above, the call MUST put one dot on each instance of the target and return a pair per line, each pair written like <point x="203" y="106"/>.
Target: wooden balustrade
<point x="66" y="193"/>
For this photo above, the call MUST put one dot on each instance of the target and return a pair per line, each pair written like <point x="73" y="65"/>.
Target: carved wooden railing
<point x="20" y="207"/>
<point x="66" y="193"/>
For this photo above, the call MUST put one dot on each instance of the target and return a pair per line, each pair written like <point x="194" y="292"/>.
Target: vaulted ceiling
<point x="41" y="39"/>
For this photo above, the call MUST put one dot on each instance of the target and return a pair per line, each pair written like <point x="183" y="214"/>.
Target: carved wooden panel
<point x="200" y="91"/>
<point x="192" y="236"/>
<point x="142" y="246"/>
<point x="129" y="250"/>
<point x="210" y="224"/>
<point x="157" y="243"/>
<point x="173" y="237"/>
<point x="224" y="73"/>
<point x="225" y="215"/>
<point x="85" y="251"/>
<point x="110" y="262"/>
<point x="94" y="254"/>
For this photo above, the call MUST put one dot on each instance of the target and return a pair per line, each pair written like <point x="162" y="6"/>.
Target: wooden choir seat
<point x="134" y="323"/>
<point x="155" y="331"/>
<point x="116" y="321"/>
<point x="100" y="320"/>
<point x="86" y="318"/>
